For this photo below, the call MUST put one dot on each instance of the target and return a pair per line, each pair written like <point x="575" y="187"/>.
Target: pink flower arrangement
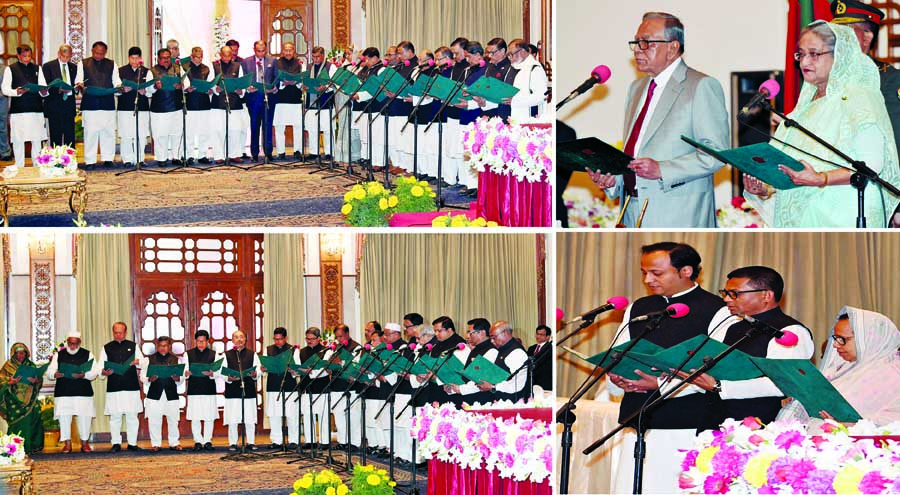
<point x="517" y="448"/>
<point x="56" y="161"/>
<point x="524" y="152"/>
<point x="740" y="215"/>
<point x="784" y="457"/>
<point x="11" y="451"/>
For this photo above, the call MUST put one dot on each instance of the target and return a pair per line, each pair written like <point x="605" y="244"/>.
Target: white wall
<point x="720" y="38"/>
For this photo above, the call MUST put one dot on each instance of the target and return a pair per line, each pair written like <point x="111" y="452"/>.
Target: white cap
<point x="74" y="334"/>
<point x="394" y="327"/>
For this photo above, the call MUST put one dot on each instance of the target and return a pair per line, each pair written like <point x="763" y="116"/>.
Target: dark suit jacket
<point x="270" y="72"/>
<point x="543" y="371"/>
<point x="53" y="103"/>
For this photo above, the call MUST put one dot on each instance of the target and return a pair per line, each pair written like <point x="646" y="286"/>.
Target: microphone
<point x="599" y="75"/>
<point x="451" y="350"/>
<point x="560" y="314"/>
<point x="617" y="303"/>
<point x="787" y="339"/>
<point x="767" y="91"/>
<point x="676" y="310"/>
<point x="429" y="63"/>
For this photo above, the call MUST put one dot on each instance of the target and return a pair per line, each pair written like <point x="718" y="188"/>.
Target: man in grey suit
<point x="673" y="100"/>
<point x="262" y="66"/>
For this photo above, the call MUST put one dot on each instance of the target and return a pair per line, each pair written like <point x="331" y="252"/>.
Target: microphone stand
<point x="185" y="161"/>
<point x="346" y="397"/>
<point x="386" y="108"/>
<point x="227" y="162"/>
<point x="138" y="149"/>
<point x="859" y="180"/>
<point x="349" y="106"/>
<point x="369" y="116"/>
<point x="317" y="103"/>
<point x="433" y="372"/>
<point x="311" y="440"/>
<point x="389" y="402"/>
<point x="327" y="392"/>
<point x="242" y="453"/>
<point x="640" y="444"/>
<point x="439" y="117"/>
<point x="414" y="116"/>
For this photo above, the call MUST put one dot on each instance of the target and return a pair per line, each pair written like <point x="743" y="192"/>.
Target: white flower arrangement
<point x="12" y="450"/>
<point x="525" y="152"/>
<point x="588" y="211"/>
<point x="739" y="214"/>
<point x="56" y="161"/>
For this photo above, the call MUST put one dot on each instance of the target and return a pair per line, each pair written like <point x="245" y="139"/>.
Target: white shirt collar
<point x="673" y="296"/>
<point x="663" y="78"/>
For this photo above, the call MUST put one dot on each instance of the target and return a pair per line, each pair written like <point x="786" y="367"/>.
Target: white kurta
<point x="232" y="414"/>
<point x="124" y="401"/>
<point x="532" y="84"/>
<point x="24" y="126"/>
<point x="202" y="407"/>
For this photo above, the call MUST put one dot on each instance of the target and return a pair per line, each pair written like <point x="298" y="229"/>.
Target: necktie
<point x="65" y="73"/>
<point x="538" y="350"/>
<point x="630" y="180"/>
<point x="259" y="71"/>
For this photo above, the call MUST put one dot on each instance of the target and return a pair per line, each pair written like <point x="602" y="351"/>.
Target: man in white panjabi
<point x="239" y="358"/>
<point x="123" y="392"/>
<point x="73" y="396"/>
<point x="26" y="111"/>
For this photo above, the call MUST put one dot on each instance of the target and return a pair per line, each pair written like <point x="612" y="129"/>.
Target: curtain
<point x="823" y="271"/>
<point x="283" y="305"/>
<point x="104" y="296"/>
<point x="433" y="23"/>
<point x="128" y="26"/>
<point x="462" y="276"/>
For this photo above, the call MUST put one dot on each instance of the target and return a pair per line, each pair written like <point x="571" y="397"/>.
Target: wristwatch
<point x="717" y="388"/>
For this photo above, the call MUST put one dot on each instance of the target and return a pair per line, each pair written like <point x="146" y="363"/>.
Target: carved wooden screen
<point x="187" y="282"/>
<point x="286" y="21"/>
<point x="20" y="23"/>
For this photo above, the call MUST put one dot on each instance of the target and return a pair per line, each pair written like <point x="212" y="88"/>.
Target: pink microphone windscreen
<point x="560" y="314"/>
<point x="789" y="339"/>
<point x="680" y="310"/>
<point x="389" y="347"/>
<point x="619" y="302"/>
<point x="771" y="86"/>
<point x="461" y="346"/>
<point x="601" y="73"/>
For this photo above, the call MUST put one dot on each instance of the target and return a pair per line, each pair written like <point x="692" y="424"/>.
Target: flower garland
<point x="524" y="152"/>
<point x="739" y="215"/>
<point x="517" y="448"/>
<point x="12" y="450"/>
<point x="56" y="161"/>
<point x="783" y="457"/>
<point x="371" y="205"/>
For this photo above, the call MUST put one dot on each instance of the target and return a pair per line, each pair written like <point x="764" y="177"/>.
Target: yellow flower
<point x="522" y="148"/>
<point x="392" y="484"/>
<point x="375" y="188"/>
<point x="704" y="459"/>
<point x="423" y="183"/>
<point x="348" y="196"/>
<point x="410" y="179"/>
<point x="459" y="221"/>
<point x="417" y="191"/>
<point x="323" y="478"/>
<point x="357" y="187"/>
<point x="479" y="222"/>
<point x="359" y="193"/>
<point x="490" y="141"/>
<point x="330" y="491"/>
<point x="304" y="483"/>
<point x="367" y="468"/>
<point x="757" y="467"/>
<point x="442" y="221"/>
<point x="373" y="479"/>
<point x="382" y="472"/>
<point x="431" y="194"/>
<point x="392" y="201"/>
<point x="342" y="489"/>
<point x="346" y="209"/>
<point x="492" y="223"/>
<point x="847" y="480"/>
<point x="383" y="203"/>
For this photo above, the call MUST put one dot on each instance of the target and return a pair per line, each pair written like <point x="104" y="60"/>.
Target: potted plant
<point x="51" y="424"/>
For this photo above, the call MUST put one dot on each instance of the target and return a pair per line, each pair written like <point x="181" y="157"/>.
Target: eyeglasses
<point x="814" y="56"/>
<point x="841" y="340"/>
<point x="723" y="293"/>
<point x="490" y="52"/>
<point x="644" y="44"/>
<point x="513" y="54"/>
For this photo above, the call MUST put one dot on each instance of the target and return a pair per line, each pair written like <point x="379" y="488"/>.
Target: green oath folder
<point x="418" y="88"/>
<point x="228" y="372"/>
<point x="61" y="86"/>
<point x="372" y="84"/>
<point x="450" y="372"/>
<point x="394" y="84"/>
<point x="593" y="154"/>
<point x="34" y="88"/>
<point x="800" y="379"/>
<point x="168" y="82"/>
<point x="312" y="82"/>
<point x="735" y="366"/>
<point x="232" y="84"/>
<point x="287" y="76"/>
<point x="71" y="369"/>
<point x="203" y="86"/>
<point x="759" y="160"/>
<point x="371" y="364"/>
<point x="354" y="372"/>
<point x="350" y="84"/>
<point x="133" y="85"/>
<point x="337" y="364"/>
<point x="315" y="362"/>
<point x="492" y="90"/>
<point x="25" y="372"/>
<point x="98" y="91"/>
<point x="262" y="86"/>
<point x="482" y="370"/>
<point x="630" y="362"/>
<point x="398" y="365"/>
<point x="443" y="88"/>
<point x="199" y="368"/>
<point x="423" y="365"/>
<point x="165" y="371"/>
<point x="119" y="368"/>
<point x="276" y="364"/>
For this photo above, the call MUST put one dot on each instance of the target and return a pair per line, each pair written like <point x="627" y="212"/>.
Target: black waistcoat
<point x="122" y="352"/>
<point x="230" y="70"/>
<point x="26" y="102"/>
<point x="478" y="397"/>
<point x="327" y="99"/>
<point x="502" y="353"/>
<point x="505" y="72"/>
<point x="273" y="380"/>
<point x="339" y="384"/>
<point x="73" y="387"/>
<point x="400" y="107"/>
<point x="290" y="94"/>
<point x="313" y="385"/>
<point x="201" y="384"/>
<point x="98" y="74"/>
<point x="195" y="99"/>
<point x="126" y="100"/>
<point x="691" y="411"/>
<point x="163" y="383"/>
<point x="233" y="389"/>
<point x="165" y="101"/>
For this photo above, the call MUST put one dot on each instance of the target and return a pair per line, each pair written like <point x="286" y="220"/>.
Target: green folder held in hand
<point x="350" y="84"/>
<point x="400" y="364"/>
<point x="24" y="372"/>
<point x="199" y="368"/>
<point x="335" y="364"/>
<point x="423" y="366"/>
<point x="98" y="91"/>
<point x="34" y="88"/>
<point x="444" y="87"/>
<point x="800" y="379"/>
<point x="168" y="82"/>
<point x="759" y="160"/>
<point x="450" y="372"/>
<point x="276" y="364"/>
<point x="629" y="363"/>
<point x="593" y="154"/>
<point x="138" y="86"/>
<point x="119" y="368"/>
<point x="395" y="83"/>
<point x="165" y="370"/>
<point x="482" y="370"/>
<point x="287" y="76"/>
<point x="492" y="90"/>
<point x="204" y="86"/>
<point x="354" y="373"/>
<point x="372" y="84"/>
<point x="68" y="370"/>
<point x="233" y="84"/>
<point x="315" y="362"/>
<point x="228" y="372"/>
<point x="418" y="88"/>
<point x="61" y="86"/>
<point x="735" y="366"/>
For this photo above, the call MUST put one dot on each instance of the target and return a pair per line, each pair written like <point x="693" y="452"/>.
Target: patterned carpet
<point x="169" y="473"/>
<point x="227" y="197"/>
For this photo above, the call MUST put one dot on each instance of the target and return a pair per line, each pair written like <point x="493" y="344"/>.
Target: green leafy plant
<point x="47" y="409"/>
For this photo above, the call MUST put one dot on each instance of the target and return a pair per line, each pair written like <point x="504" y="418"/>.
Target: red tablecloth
<point x="511" y="203"/>
<point x="446" y="478"/>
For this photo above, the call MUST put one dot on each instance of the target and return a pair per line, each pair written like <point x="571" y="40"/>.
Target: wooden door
<point x="284" y="21"/>
<point x="20" y="23"/>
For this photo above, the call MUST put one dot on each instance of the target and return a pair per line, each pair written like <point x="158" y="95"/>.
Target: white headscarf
<point x="870" y="383"/>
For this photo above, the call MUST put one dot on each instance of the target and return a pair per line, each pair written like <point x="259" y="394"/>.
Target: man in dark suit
<point x="543" y="366"/>
<point x="59" y="105"/>
<point x="262" y="66"/>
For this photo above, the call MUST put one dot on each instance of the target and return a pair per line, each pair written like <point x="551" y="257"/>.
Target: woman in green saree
<point x="19" y="404"/>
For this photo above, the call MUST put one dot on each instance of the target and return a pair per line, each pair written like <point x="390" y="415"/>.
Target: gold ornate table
<point x="29" y="182"/>
<point x="18" y="478"/>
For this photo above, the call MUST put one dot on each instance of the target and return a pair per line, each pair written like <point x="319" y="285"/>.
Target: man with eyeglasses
<point x="478" y="336"/>
<point x="312" y="385"/>
<point x="279" y="387"/>
<point x="670" y="271"/>
<point x="755" y="291"/>
<point x="673" y="100"/>
<point x="510" y="356"/>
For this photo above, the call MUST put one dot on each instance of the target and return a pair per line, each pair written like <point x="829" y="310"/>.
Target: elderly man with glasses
<point x="671" y="176"/>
